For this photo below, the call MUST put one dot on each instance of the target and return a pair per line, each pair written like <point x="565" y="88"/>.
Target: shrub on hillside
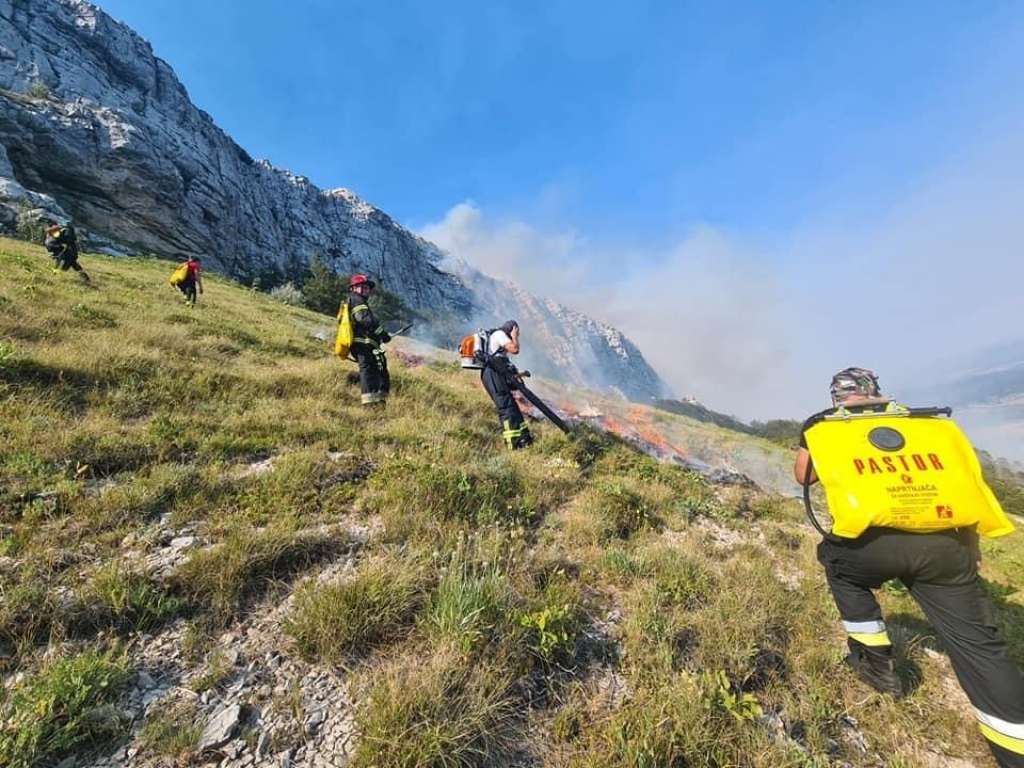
<point x="289" y="294"/>
<point x="39" y="90"/>
<point x="323" y="290"/>
<point x="782" y="431"/>
<point x="28" y="226"/>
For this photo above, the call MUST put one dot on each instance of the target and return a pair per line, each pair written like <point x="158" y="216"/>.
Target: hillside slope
<point x="95" y="125"/>
<point x="210" y="552"/>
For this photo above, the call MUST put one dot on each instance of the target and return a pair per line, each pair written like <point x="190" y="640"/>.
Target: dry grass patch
<point x="437" y="710"/>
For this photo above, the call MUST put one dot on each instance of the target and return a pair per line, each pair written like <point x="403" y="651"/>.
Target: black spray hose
<point x="807" y="503"/>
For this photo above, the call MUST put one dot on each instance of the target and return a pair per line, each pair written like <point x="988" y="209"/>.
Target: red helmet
<point x="361" y="280"/>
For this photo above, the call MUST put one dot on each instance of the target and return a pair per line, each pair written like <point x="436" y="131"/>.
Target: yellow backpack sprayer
<point x="912" y="469"/>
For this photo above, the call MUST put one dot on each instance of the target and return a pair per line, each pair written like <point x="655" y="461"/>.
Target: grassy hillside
<point x="196" y="512"/>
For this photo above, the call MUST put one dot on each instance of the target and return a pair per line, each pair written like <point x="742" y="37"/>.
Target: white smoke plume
<point x="757" y="328"/>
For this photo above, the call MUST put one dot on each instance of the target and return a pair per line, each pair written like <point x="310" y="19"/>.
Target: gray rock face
<point x="221" y="728"/>
<point x="93" y="125"/>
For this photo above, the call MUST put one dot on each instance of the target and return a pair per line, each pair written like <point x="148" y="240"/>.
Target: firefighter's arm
<point x="801" y="466"/>
<point x="366" y="323"/>
<point x="513" y="346"/>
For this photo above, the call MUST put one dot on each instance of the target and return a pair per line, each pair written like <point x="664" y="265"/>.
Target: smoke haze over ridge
<point x="756" y="325"/>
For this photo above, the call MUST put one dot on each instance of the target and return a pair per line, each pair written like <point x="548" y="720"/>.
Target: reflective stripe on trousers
<point x="1009" y="736"/>
<point x="511" y="434"/>
<point x="868" y="632"/>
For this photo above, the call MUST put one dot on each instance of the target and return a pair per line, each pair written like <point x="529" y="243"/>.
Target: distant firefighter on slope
<point x="188" y="278"/>
<point x="61" y="243"/>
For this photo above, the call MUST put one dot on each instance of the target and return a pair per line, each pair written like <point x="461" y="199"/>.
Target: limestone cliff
<point x="94" y="125"/>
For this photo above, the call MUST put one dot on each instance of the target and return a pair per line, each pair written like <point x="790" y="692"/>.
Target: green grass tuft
<point x="65" y="706"/>
<point x="172" y="732"/>
<point x="336" y="622"/>
<point x="248" y="561"/>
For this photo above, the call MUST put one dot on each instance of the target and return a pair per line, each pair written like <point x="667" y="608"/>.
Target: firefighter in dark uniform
<point x="61" y="243"/>
<point x="940" y="569"/>
<point x="374" y="380"/>
<point x="499" y="377"/>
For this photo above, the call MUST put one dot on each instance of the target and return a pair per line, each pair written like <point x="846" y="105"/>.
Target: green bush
<point x="65" y="706"/>
<point x="39" y="90"/>
<point x="323" y="290"/>
<point x="28" y="226"/>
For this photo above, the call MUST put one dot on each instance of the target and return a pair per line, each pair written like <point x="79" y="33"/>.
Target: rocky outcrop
<point x="94" y="125"/>
<point x="577" y="349"/>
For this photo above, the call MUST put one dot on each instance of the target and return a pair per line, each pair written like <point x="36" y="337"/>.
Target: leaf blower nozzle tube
<point x="553" y="417"/>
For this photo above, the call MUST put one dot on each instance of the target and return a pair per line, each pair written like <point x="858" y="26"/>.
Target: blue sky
<point x="642" y="118"/>
<point x="758" y="193"/>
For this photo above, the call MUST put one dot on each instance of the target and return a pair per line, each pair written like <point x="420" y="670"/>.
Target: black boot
<point x="875" y="666"/>
<point x="524" y="440"/>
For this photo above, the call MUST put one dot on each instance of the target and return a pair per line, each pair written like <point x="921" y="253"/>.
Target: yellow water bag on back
<point x="897" y="470"/>
<point x="346" y="332"/>
<point x="179" y="275"/>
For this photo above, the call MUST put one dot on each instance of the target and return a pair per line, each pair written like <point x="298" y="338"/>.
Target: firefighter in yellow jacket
<point x="908" y="502"/>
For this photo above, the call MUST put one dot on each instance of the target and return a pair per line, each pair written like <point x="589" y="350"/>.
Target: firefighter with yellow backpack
<point x="361" y="336"/>
<point x="908" y="502"/>
<point x="188" y="278"/>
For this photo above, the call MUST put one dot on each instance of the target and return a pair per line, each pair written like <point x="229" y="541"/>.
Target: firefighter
<point x="500" y="378"/>
<point x="62" y="244"/>
<point x="369" y="335"/>
<point x="938" y="567"/>
<point x="192" y="281"/>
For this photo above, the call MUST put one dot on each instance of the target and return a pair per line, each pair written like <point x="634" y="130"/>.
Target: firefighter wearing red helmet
<point x="369" y="335"/>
